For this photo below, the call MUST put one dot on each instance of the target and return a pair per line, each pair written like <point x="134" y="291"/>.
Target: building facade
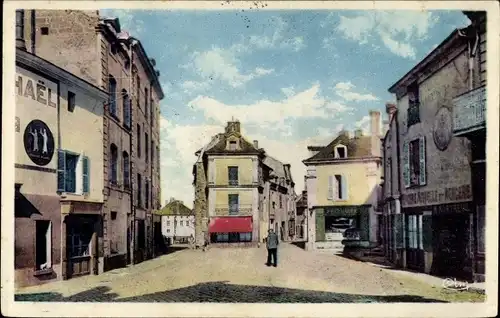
<point x="301" y="216"/>
<point x="97" y="50"/>
<point x="58" y="170"/>
<point x="342" y="189"/>
<point x="236" y="184"/>
<point x="177" y="222"/>
<point x="435" y="217"/>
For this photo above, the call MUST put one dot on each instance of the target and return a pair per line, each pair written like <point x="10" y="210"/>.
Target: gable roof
<point x="357" y="148"/>
<point x="175" y="207"/>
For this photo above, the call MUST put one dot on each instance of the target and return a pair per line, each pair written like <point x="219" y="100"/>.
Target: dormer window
<point x="232" y="145"/>
<point x="340" y="152"/>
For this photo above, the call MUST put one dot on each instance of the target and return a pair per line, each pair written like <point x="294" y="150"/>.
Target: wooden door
<point x="414" y="242"/>
<point x="79" y="246"/>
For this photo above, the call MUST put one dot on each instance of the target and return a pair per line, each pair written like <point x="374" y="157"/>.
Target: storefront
<point x="230" y="230"/>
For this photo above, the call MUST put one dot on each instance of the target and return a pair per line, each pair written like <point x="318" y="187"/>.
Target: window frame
<point x="337" y="153"/>
<point x="231" y="206"/>
<point x="232" y="181"/>
<point x="112" y="83"/>
<point x="113" y="153"/>
<point x="47" y="242"/>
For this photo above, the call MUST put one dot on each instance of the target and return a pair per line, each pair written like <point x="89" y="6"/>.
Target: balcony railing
<point x="469" y="111"/>
<point x="233" y="209"/>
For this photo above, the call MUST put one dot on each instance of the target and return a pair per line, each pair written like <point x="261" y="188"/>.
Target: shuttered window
<point x="73" y="172"/>
<point x="86" y="174"/>
<point x="414" y="163"/>
<point x="337" y="188"/>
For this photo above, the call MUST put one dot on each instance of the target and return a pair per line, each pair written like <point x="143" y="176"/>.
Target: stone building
<point x="342" y="189"/>
<point x="97" y="50"/>
<point x="301" y="216"/>
<point x="236" y="184"/>
<point x="177" y="221"/>
<point x="58" y="170"/>
<point x="434" y="216"/>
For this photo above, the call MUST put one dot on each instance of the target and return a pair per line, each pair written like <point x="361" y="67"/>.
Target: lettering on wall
<point x="438" y="196"/>
<point x="442" y="132"/>
<point x="37" y="90"/>
<point x="39" y="142"/>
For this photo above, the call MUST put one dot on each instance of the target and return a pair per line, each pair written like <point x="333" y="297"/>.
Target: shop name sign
<point x="469" y="110"/>
<point x="441" y="195"/>
<point x="36" y="88"/>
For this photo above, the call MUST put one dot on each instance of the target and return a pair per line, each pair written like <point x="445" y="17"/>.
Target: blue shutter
<point x="86" y="174"/>
<point x="406" y="165"/>
<point x="61" y="170"/>
<point x="422" y="178"/>
<point x="330" y="188"/>
<point x="344" y="187"/>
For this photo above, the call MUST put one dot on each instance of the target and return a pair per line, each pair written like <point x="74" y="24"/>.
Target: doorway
<point x="414" y="242"/>
<point x="80" y="231"/>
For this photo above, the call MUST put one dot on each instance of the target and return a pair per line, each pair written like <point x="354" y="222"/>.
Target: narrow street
<point x="240" y="275"/>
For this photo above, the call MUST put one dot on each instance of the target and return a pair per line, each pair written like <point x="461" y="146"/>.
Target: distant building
<point x="177" y="222"/>
<point x="342" y="185"/>
<point x="236" y="184"/>
<point x="435" y="193"/>
<point x="301" y="216"/>
<point x="59" y="175"/>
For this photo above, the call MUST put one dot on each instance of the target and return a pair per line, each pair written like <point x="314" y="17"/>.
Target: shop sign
<point x="30" y="85"/>
<point x="38" y="142"/>
<point x="438" y="196"/>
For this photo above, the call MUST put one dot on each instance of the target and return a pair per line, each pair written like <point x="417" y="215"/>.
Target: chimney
<point x="256" y="144"/>
<point x="358" y="133"/>
<point x="20" y="43"/>
<point x="171" y="200"/>
<point x="233" y="126"/>
<point x="375" y="133"/>
<point x="344" y="132"/>
<point x="390" y="109"/>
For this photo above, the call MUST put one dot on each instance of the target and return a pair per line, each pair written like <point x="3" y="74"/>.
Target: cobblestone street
<point x="240" y="275"/>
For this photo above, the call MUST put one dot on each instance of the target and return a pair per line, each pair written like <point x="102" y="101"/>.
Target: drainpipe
<point x="20" y="43"/>
<point x="132" y="206"/>
<point x="33" y="32"/>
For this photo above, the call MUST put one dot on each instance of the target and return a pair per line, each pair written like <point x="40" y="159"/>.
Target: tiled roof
<point x="175" y="208"/>
<point x="246" y="147"/>
<point x="357" y="147"/>
<point x="276" y="165"/>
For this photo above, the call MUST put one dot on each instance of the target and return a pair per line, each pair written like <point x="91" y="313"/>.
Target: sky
<point x="293" y="78"/>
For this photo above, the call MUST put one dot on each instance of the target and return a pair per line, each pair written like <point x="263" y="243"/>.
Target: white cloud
<point x="398" y="30"/>
<point x="223" y="65"/>
<point x="194" y="86"/>
<point x="288" y="91"/>
<point x="345" y="90"/>
<point x="277" y="39"/>
<point x="364" y="124"/>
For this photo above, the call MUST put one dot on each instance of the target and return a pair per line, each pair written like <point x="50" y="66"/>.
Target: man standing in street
<point x="272" y="248"/>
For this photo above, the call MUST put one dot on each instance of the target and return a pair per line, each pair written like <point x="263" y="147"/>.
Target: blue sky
<point x="292" y="77"/>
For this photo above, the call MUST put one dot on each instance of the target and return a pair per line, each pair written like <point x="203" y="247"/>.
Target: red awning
<point x="231" y="224"/>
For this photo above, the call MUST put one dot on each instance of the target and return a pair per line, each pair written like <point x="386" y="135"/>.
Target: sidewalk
<point x="381" y="262"/>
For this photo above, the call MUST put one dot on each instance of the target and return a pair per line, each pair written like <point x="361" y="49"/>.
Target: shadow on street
<point x="221" y="292"/>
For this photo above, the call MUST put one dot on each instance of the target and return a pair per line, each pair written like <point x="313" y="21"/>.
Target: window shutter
<point x="422" y="177"/>
<point x="86" y="174"/>
<point x="330" y="188"/>
<point x="344" y="187"/>
<point x="406" y="165"/>
<point x="61" y="170"/>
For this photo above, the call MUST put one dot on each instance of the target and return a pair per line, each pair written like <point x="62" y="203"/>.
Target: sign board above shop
<point x="438" y="196"/>
<point x="469" y="110"/>
<point x="35" y="87"/>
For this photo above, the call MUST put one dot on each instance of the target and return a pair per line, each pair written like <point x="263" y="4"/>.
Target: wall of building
<point x="361" y="181"/>
<point x="169" y="229"/>
<point x="71" y="40"/>
<point x="448" y="169"/>
<point x="246" y="201"/>
<point x="245" y="170"/>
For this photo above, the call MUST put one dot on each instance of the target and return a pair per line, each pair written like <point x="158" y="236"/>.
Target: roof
<point x="175" y="207"/>
<point x="357" y="147"/>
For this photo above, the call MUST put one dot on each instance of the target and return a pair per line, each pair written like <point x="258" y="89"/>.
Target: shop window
<point x="334" y="224"/>
<point x="43" y="244"/>
<point x="230" y="237"/>
<point x="414" y="232"/>
<point x="80" y="236"/>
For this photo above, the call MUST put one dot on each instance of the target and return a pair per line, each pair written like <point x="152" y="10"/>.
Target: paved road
<point x="240" y="275"/>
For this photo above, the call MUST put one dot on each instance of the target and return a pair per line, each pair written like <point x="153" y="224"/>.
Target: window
<point x="146" y="99"/>
<point x="233" y="175"/>
<point x="168" y="223"/>
<point x="146" y="146"/>
<point x="79" y="237"/>
<point x="274" y="205"/>
<point x="138" y="90"/>
<point x="114" y="164"/>
<point x="43" y="244"/>
<point x="414" y="232"/>
<point x="141" y="234"/>
<point x="414" y="162"/>
<point x="233" y="202"/>
<point x="337" y="188"/>
<point x="127" y="110"/>
<point x="112" y="95"/>
<point x="138" y="141"/>
<point x="232" y="145"/>
<point x="413" y="104"/>
<point x="340" y="152"/>
<point x="230" y="237"/>
<point x="113" y="215"/>
<point x="168" y="230"/>
<point x="152" y="154"/>
<point x="146" y="198"/>
<point x="139" y="190"/>
<point x="44" y="30"/>
<point x="281" y="200"/>
<point x="182" y="223"/>
<point x="72" y="172"/>
<point x="126" y="170"/>
<point x="71" y="101"/>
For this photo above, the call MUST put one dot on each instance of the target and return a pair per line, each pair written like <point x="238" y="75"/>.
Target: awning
<point x="230" y="225"/>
